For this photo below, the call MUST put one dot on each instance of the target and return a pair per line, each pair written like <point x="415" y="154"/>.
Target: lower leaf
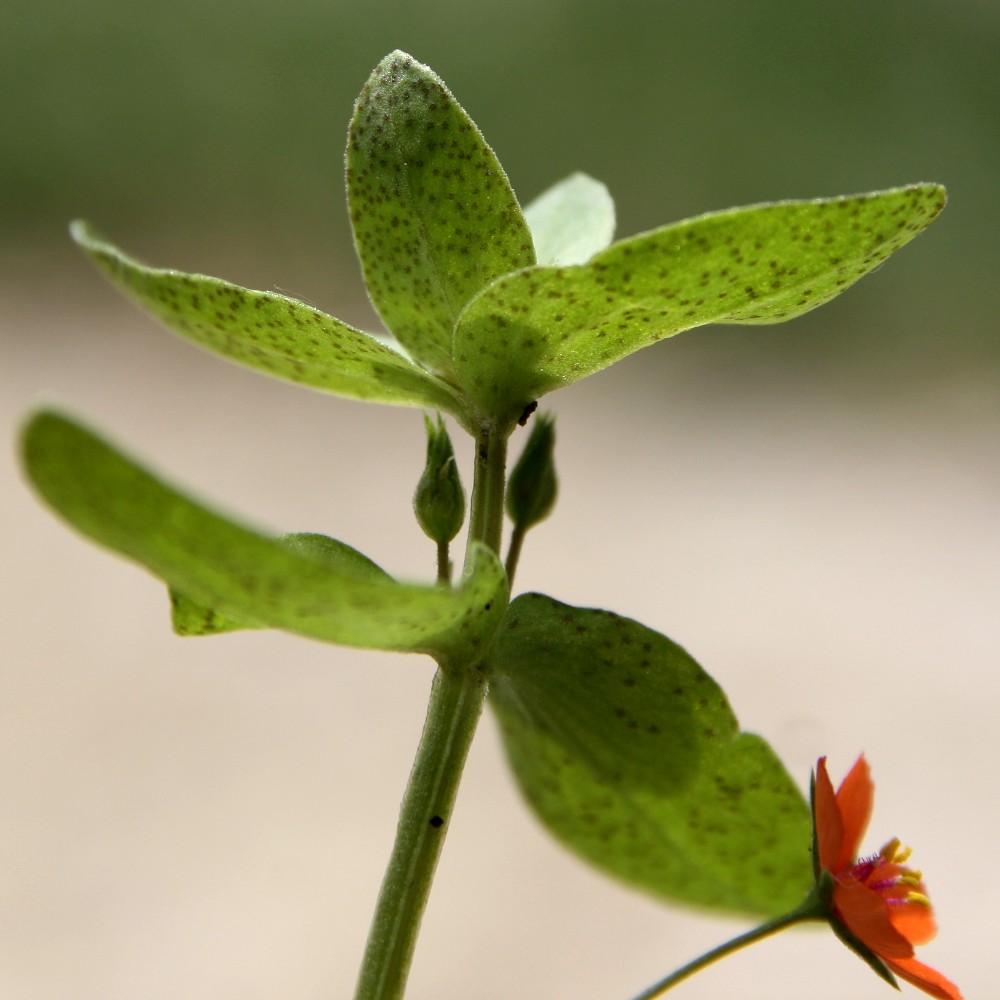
<point x="189" y="617"/>
<point x="629" y="753"/>
<point x="244" y="576"/>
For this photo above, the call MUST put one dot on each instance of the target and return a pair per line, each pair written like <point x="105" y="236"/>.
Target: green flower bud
<point x="439" y="501"/>
<point x="532" y="488"/>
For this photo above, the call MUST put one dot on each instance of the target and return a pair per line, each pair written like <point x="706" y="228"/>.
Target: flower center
<point x="886" y="873"/>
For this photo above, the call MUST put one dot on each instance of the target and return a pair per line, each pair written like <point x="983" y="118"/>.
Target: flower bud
<point x="439" y="501"/>
<point x="531" y="490"/>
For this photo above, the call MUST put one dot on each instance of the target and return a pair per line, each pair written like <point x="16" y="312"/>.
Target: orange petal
<point x="924" y="978"/>
<point x="864" y="913"/>
<point x="915" y="921"/>
<point x="826" y="816"/>
<point x="855" y="799"/>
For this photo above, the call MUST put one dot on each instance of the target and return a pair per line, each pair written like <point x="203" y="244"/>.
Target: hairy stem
<point x="456" y="703"/>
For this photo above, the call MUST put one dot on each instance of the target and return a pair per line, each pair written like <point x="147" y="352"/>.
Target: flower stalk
<point x="876" y="905"/>
<point x="813" y="907"/>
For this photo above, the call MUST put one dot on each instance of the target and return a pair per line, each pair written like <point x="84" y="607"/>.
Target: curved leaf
<point x="188" y="617"/>
<point x="630" y="754"/>
<point x="434" y="216"/>
<point x="571" y="221"/>
<point x="242" y="575"/>
<point x="275" y="334"/>
<point x="541" y="328"/>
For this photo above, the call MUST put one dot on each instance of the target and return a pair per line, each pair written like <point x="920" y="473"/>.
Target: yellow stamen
<point x="895" y="853"/>
<point x="917" y="897"/>
<point x="914" y="878"/>
<point x="889" y="850"/>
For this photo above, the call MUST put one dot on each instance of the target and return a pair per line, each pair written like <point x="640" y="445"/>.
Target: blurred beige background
<point x="811" y="510"/>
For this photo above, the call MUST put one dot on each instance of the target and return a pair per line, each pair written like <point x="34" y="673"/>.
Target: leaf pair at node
<point x="495" y="307"/>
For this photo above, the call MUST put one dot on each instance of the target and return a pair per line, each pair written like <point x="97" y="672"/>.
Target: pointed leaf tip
<point x="271" y="333"/>
<point x="542" y="328"/>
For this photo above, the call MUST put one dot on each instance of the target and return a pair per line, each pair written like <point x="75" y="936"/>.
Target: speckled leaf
<point x="245" y="576"/>
<point x="434" y="216"/>
<point x="629" y="753"/>
<point x="542" y="328"/>
<point x="272" y="333"/>
<point x="188" y="617"/>
<point x="571" y="221"/>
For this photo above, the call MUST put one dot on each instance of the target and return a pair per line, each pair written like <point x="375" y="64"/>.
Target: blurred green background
<point x="210" y="136"/>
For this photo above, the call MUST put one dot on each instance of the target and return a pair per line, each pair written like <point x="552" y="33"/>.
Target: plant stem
<point x="456" y="703"/>
<point x="514" y="551"/>
<point x="443" y="564"/>
<point x="811" y="909"/>
<point x="486" y="506"/>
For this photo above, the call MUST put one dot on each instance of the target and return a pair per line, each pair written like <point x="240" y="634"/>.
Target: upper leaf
<point x="630" y="754"/>
<point x="434" y="216"/>
<point x="272" y="333"/>
<point x="545" y="327"/>
<point x="571" y="221"/>
<point x="242" y="575"/>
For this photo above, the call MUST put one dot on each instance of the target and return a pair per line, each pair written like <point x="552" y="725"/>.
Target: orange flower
<point x="877" y="901"/>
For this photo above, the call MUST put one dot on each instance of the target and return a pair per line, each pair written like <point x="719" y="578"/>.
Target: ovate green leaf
<point x="541" y="328"/>
<point x="188" y="617"/>
<point x="191" y="618"/>
<point x="630" y="754"/>
<point x="434" y="216"/>
<point x="244" y="576"/>
<point x="272" y="333"/>
<point x="571" y="221"/>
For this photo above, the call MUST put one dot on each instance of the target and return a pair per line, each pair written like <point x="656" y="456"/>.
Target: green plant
<point x="626" y="749"/>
